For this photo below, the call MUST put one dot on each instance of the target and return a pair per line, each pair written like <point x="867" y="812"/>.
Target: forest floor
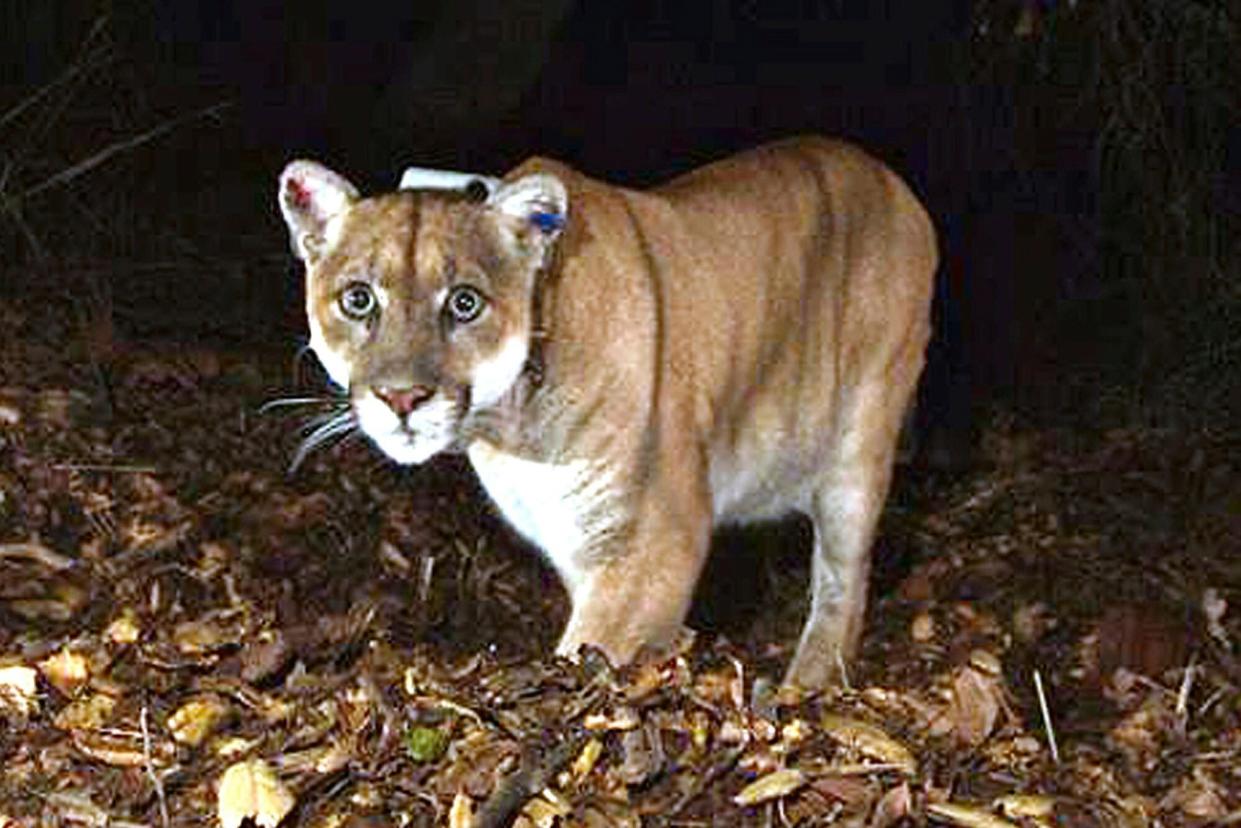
<point x="192" y="635"/>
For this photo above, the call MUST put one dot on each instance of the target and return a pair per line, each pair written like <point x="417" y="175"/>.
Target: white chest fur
<point x="562" y="508"/>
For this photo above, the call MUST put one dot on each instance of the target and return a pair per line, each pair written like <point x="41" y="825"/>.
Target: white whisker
<point x="312" y="424"/>
<point x="330" y="426"/>
<point x="287" y="402"/>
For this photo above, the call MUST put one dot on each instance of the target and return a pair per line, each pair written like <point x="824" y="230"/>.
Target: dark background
<point x="1079" y="159"/>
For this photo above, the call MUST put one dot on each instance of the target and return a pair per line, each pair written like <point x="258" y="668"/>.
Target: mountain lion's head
<point x="419" y="302"/>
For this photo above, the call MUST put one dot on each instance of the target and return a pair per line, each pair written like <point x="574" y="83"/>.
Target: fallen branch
<point x="91" y="162"/>
<point x="534" y="774"/>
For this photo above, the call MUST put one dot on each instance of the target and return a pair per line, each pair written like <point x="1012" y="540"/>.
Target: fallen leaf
<point x="1028" y="806"/>
<point x="870" y="741"/>
<point x="65" y="670"/>
<point x="426" y="744"/>
<point x="88" y="713"/>
<point x="461" y="814"/>
<point x="894" y="806"/>
<point x="968" y="816"/>
<point x="922" y="629"/>
<point x="975" y="705"/>
<point x="18" y="689"/>
<point x="586" y="759"/>
<point x="848" y="790"/>
<point x="124" y="629"/>
<point x="1146" y="639"/>
<point x="1199" y="798"/>
<point x="644" y="755"/>
<point x="119" y="749"/>
<point x="546" y="811"/>
<point x="194" y="721"/>
<point x="772" y="786"/>
<point x="74" y="806"/>
<point x="1031" y="621"/>
<point x="10" y="415"/>
<point x="251" y="790"/>
<point x="37" y="553"/>
<point x="199" y="637"/>
<point x="622" y="717"/>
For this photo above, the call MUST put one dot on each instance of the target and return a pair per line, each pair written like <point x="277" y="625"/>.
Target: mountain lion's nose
<point x="403" y="401"/>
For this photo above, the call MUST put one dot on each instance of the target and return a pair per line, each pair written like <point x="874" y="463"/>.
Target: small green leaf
<point x="426" y="744"/>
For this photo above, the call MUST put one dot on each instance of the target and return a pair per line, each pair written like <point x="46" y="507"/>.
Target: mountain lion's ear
<point x="539" y="205"/>
<point x="310" y="194"/>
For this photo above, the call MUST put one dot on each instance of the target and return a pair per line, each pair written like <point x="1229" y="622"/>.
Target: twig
<point x="105" y="467"/>
<point x="1042" y="706"/>
<point x="89" y="163"/>
<point x="704" y="780"/>
<point x="32" y="238"/>
<point x="78" y="67"/>
<point x="36" y="552"/>
<point x="534" y="774"/>
<point x="1182" y="695"/>
<point x="150" y="768"/>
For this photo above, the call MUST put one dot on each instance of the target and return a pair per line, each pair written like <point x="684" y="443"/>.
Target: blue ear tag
<point x="547" y="222"/>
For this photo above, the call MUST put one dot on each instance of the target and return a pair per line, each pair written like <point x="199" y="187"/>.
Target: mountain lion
<point x="627" y="369"/>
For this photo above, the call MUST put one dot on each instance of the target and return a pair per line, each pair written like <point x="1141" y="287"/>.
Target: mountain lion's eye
<point x="464" y="304"/>
<point x="357" y="301"/>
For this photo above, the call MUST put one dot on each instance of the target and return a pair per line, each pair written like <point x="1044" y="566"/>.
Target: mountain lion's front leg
<point x="637" y="591"/>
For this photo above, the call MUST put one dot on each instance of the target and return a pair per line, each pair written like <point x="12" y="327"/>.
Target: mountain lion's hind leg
<point x="845" y="513"/>
<point x="845" y="510"/>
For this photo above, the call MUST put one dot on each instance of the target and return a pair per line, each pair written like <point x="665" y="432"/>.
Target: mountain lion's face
<point x="419" y="303"/>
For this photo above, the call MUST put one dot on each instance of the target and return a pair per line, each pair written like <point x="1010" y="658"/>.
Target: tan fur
<point x="737" y="344"/>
